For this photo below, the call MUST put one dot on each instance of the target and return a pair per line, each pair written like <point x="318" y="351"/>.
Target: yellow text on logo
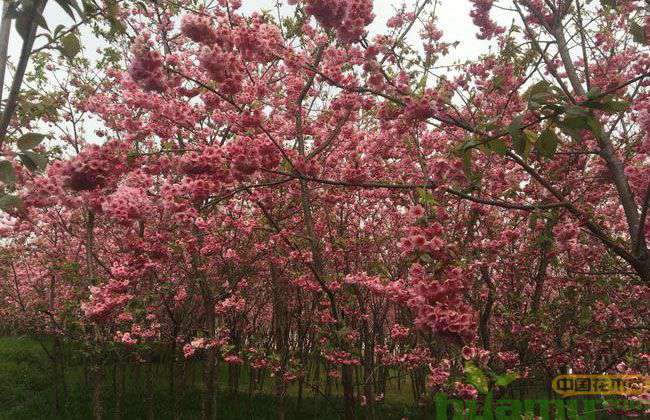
<point x="568" y="385"/>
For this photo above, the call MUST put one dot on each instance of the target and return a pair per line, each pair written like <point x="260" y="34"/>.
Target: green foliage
<point x="70" y="46"/>
<point x="497" y="146"/>
<point x="33" y="161"/>
<point x="70" y="7"/>
<point x="10" y="202"/>
<point x="29" y="141"/>
<point x="516" y="132"/>
<point x="638" y="33"/>
<point x="476" y="377"/>
<point x="7" y="172"/>
<point x="505" y="379"/>
<point x="547" y="143"/>
<point x="425" y="197"/>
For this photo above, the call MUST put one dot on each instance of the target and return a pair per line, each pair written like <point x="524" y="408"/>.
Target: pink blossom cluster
<point x="438" y="375"/>
<point x="440" y="305"/>
<point x="480" y="14"/>
<point x="198" y="28"/>
<point x="92" y="168"/>
<point x="348" y="17"/>
<point x="146" y="66"/>
<point x="127" y="204"/>
<point x="106" y="299"/>
<point x="223" y="67"/>
<point x="341" y="357"/>
<point x="474" y="353"/>
<point x="465" y="391"/>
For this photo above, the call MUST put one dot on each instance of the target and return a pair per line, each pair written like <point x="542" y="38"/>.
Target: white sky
<point x="453" y="20"/>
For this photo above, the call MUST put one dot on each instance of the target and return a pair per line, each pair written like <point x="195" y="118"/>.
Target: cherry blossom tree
<point x="301" y="197"/>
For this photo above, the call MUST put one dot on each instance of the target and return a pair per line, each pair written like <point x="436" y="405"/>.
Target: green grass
<point x="26" y="392"/>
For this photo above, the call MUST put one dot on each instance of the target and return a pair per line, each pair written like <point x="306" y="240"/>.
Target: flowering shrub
<point x="301" y="193"/>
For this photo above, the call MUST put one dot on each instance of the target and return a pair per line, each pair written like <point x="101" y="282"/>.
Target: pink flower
<point x="233" y="359"/>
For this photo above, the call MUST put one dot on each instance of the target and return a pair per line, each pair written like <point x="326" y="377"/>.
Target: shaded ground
<point x="27" y="392"/>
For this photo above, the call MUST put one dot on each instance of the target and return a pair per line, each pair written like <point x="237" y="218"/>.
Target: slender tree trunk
<point x="149" y="391"/>
<point x="368" y="382"/>
<point x="281" y="394"/>
<point x="348" y="392"/>
<point x="210" y="362"/>
<point x="301" y="385"/>
<point x="180" y="392"/>
<point x="328" y="383"/>
<point x="5" y="31"/>
<point x="98" y="385"/>
<point x="233" y="376"/>
<point x="252" y="381"/>
<point x="119" y="389"/>
<point x="21" y="67"/>
<point x="58" y="377"/>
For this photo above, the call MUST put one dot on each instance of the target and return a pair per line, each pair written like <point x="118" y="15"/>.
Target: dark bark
<point x="209" y="367"/>
<point x="97" y="373"/>
<point x="348" y="392"/>
<point x="149" y="391"/>
<point x="119" y="390"/>
<point x="58" y="373"/>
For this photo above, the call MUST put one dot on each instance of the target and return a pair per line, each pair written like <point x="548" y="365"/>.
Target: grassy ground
<point x="26" y="392"/>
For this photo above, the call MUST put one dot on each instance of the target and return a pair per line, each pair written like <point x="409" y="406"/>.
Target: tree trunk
<point x="26" y="51"/>
<point x="281" y="394"/>
<point x="119" y="390"/>
<point x="233" y="378"/>
<point x="180" y="392"/>
<point x="149" y="391"/>
<point x="348" y="392"/>
<point x="209" y="364"/>
<point x="5" y="31"/>
<point x="58" y="373"/>
<point x="368" y="383"/>
<point x="98" y="384"/>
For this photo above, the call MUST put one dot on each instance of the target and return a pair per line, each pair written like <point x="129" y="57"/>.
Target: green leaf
<point x="66" y="7"/>
<point x="575" y="134"/>
<point x="540" y="94"/>
<point x="610" y="105"/>
<point x="516" y="132"/>
<point x="30" y="140"/>
<point x="7" y="172"/>
<point x="547" y="143"/>
<point x="576" y="117"/>
<point x="426" y="197"/>
<point x="476" y="377"/>
<point x="616" y="106"/>
<point x="70" y="46"/>
<point x="33" y="161"/>
<point x="539" y="87"/>
<point x="40" y="21"/>
<point x="10" y="202"/>
<point x="595" y="126"/>
<point x="498" y="146"/>
<point x="594" y="93"/>
<point x="76" y="7"/>
<point x="505" y="379"/>
<point x="638" y="33"/>
<point x="468" y="144"/>
<point x="467" y="163"/>
<point x="530" y="138"/>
